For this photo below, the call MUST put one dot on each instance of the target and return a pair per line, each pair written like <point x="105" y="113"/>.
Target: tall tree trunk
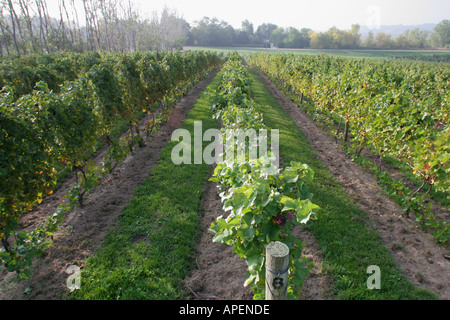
<point x="62" y="27"/>
<point x="47" y="21"/>
<point x="18" y="26"/>
<point x="42" y="33"/>
<point x="78" y="28"/>
<point x="3" y="32"/>
<point x="96" y="28"/>
<point x="88" y="26"/>
<point x="13" y="24"/>
<point x="68" y="24"/>
<point x="106" y="12"/>
<point x="26" y="13"/>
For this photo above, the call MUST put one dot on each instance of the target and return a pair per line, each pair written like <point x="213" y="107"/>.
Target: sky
<point x="315" y="14"/>
<point x="319" y="15"/>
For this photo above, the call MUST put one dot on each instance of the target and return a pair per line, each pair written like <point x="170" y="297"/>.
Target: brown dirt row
<point x="220" y="273"/>
<point x="84" y="228"/>
<point x="424" y="262"/>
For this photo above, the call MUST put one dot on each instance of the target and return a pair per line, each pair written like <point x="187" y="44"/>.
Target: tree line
<point x="86" y="25"/>
<point x="212" y="32"/>
<point x="117" y="26"/>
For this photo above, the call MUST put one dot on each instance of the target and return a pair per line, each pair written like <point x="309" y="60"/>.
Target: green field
<point x="402" y="54"/>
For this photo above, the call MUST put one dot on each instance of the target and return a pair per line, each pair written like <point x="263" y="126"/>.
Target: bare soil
<point x="83" y="229"/>
<point x="424" y="262"/>
<point x="216" y="262"/>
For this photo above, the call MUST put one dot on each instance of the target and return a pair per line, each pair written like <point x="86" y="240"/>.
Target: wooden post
<point x="277" y="267"/>
<point x="347" y="124"/>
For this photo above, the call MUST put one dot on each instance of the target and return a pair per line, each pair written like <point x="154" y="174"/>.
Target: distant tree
<point x="356" y="37"/>
<point x="441" y="34"/>
<point x="247" y="27"/>
<point x="277" y="37"/>
<point x="418" y="39"/>
<point x="315" y="40"/>
<point x="242" y="37"/>
<point x="264" y="31"/>
<point x="172" y="30"/>
<point x="369" y="41"/>
<point x="412" y="39"/>
<point x="293" y="38"/>
<point x="321" y="40"/>
<point x="306" y="37"/>
<point x="212" y="32"/>
<point x="342" y="39"/>
<point x="402" y="41"/>
<point x="333" y="38"/>
<point x="383" y="41"/>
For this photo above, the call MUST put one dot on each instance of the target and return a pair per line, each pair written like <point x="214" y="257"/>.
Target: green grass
<point x="377" y="54"/>
<point x="151" y="250"/>
<point x="348" y="241"/>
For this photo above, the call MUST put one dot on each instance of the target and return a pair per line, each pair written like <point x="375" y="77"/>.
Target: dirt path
<point x="84" y="228"/>
<point x="423" y="262"/>
<point x="221" y="273"/>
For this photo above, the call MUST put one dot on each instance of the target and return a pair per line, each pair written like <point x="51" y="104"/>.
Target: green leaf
<point x="255" y="262"/>
<point x="214" y="228"/>
<point x="222" y="237"/>
<point x="289" y="204"/>
<point x="221" y="223"/>
<point x="304" y="211"/>
<point x="290" y="176"/>
<point x="248" y="233"/>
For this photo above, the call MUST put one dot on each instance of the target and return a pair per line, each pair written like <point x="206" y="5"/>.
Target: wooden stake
<point x="277" y="267"/>
<point x="347" y="124"/>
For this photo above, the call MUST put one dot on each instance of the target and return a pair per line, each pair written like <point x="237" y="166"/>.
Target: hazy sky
<point x="319" y="15"/>
<point x="315" y="14"/>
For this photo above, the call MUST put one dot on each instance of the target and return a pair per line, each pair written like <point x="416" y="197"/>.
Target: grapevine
<point x="264" y="202"/>
<point x="395" y="108"/>
<point x="54" y="111"/>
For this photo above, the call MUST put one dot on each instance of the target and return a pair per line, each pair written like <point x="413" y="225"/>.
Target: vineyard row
<point x="264" y="201"/>
<point x="394" y="108"/>
<point x="59" y="121"/>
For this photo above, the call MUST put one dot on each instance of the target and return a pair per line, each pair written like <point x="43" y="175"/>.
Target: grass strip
<point x="348" y="241"/>
<point x="150" y="251"/>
